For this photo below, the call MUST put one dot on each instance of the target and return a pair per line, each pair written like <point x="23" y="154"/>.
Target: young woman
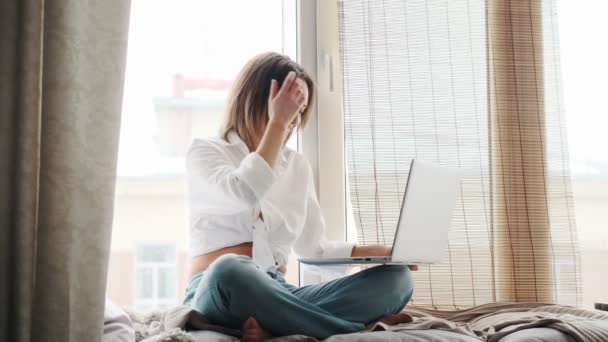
<point x="252" y="201"/>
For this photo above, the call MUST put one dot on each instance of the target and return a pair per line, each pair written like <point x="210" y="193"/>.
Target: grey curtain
<point x="61" y="75"/>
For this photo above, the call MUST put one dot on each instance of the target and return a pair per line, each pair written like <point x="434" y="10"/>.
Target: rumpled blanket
<point x="492" y="322"/>
<point x="117" y="327"/>
<point x="489" y="322"/>
<point x="173" y="324"/>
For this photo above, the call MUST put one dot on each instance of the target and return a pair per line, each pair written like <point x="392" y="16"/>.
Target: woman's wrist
<point x="277" y="124"/>
<point x="272" y="142"/>
<point x="277" y="131"/>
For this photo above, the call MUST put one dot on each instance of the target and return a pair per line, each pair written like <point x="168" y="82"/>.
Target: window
<point x="582" y="27"/>
<point x="155" y="274"/>
<point x="182" y="58"/>
<point x="440" y="81"/>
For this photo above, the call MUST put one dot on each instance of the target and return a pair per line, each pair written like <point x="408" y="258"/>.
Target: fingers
<point x="274" y="88"/>
<point x="288" y="101"/>
<point x="413" y="267"/>
<point x="250" y="323"/>
<point x="288" y="83"/>
<point x="291" y="88"/>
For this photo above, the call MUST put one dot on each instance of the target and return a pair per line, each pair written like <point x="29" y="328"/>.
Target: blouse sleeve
<point x="312" y="243"/>
<point x="221" y="187"/>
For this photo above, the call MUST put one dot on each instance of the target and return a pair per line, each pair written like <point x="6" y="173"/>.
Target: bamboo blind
<point x="470" y="84"/>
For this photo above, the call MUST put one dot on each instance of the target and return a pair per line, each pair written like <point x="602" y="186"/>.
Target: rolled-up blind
<point x="453" y="83"/>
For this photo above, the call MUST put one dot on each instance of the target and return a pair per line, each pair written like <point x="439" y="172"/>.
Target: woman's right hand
<point x="286" y="103"/>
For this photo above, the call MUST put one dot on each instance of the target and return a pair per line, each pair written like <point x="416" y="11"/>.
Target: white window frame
<point x="322" y="142"/>
<point x="155" y="301"/>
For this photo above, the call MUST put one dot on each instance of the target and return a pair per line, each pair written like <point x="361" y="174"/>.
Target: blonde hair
<point x="247" y="107"/>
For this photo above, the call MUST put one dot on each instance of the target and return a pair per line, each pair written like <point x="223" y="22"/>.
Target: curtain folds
<point x="471" y="84"/>
<point x="61" y="75"/>
<point x="534" y="244"/>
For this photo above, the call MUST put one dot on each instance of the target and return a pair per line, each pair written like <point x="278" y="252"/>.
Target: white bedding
<point x="530" y="335"/>
<point x="537" y="335"/>
<point x="117" y="326"/>
<point x="490" y="322"/>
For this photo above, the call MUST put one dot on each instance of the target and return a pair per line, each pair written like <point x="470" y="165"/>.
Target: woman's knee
<point x="228" y="269"/>
<point x="220" y="281"/>
<point x="396" y="284"/>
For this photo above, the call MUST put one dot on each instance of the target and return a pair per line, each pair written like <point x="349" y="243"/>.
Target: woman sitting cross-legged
<point x="252" y="201"/>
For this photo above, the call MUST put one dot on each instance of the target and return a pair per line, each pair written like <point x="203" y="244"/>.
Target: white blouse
<point x="229" y="186"/>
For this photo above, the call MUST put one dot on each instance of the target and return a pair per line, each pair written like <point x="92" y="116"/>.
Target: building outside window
<point x="181" y="61"/>
<point x="155" y="285"/>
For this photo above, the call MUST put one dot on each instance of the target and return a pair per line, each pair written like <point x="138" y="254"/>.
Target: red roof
<point x="182" y="84"/>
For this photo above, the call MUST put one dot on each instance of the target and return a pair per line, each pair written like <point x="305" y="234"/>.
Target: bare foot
<point x="392" y="319"/>
<point x="253" y="331"/>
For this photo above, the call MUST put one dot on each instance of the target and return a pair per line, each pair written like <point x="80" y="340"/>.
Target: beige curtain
<point x="536" y="250"/>
<point x="61" y="74"/>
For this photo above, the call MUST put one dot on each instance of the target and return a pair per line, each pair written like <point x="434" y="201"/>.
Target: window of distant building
<point x="155" y="273"/>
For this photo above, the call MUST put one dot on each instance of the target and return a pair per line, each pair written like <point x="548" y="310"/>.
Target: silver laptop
<point x="421" y="236"/>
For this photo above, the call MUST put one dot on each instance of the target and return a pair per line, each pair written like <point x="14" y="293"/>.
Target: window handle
<point x="329" y="64"/>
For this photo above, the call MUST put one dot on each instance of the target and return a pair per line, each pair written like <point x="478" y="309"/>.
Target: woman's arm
<point x="272" y="142"/>
<point x="312" y="242"/>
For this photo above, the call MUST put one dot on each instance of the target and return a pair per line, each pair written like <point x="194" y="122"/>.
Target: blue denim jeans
<point x="234" y="288"/>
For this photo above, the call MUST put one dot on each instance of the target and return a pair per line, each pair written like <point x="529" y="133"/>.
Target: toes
<point x="401" y="318"/>
<point x="406" y="318"/>
<point x="253" y="331"/>
<point x="250" y="323"/>
<point x="397" y="319"/>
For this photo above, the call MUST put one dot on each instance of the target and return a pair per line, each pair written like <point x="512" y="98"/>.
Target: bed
<point x="535" y="322"/>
